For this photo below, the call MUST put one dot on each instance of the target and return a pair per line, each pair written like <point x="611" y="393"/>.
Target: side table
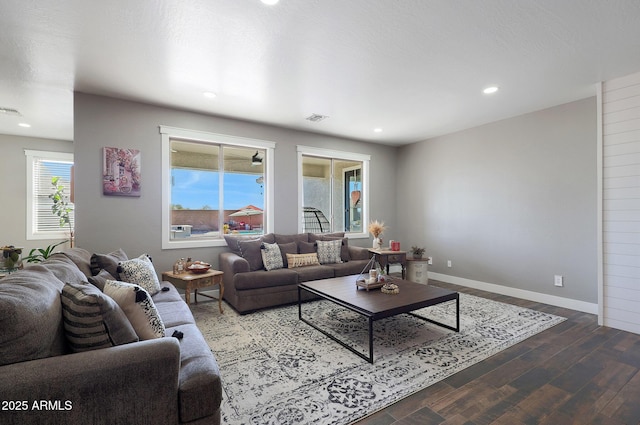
<point x="194" y="281"/>
<point x="386" y="257"/>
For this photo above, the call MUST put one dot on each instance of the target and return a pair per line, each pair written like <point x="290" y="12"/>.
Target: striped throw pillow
<point x="93" y="320"/>
<point x="301" y="260"/>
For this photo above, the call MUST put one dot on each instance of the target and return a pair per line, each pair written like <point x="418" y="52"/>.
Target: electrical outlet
<point x="430" y="260"/>
<point x="558" y="280"/>
<point x="448" y="263"/>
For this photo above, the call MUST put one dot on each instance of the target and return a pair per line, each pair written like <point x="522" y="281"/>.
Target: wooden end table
<point x="386" y="257"/>
<point x="194" y="281"/>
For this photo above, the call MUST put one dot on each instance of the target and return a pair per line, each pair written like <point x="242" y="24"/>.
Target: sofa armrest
<point x="231" y="263"/>
<point x="359" y="253"/>
<point x="133" y="382"/>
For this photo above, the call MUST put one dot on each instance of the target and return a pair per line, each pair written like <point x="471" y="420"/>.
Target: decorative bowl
<point x="199" y="267"/>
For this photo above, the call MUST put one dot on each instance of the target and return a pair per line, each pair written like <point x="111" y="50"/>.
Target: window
<point x="42" y="166"/>
<point x="333" y="189"/>
<point x="212" y="185"/>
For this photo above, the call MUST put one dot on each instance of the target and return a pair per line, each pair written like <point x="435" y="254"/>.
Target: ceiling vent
<point x="9" y="111"/>
<point x="316" y="117"/>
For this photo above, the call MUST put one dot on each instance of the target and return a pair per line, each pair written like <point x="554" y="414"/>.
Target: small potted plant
<point x="417" y="252"/>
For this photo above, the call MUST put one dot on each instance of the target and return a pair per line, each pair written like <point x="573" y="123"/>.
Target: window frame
<point x="336" y="155"/>
<point x="32" y="233"/>
<point x="168" y="133"/>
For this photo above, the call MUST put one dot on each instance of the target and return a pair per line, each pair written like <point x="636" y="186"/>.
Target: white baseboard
<point x="518" y="293"/>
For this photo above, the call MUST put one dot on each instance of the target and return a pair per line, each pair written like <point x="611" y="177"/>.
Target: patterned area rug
<point x="278" y="370"/>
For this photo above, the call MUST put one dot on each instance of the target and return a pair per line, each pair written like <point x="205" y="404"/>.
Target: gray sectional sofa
<point x="249" y="286"/>
<point x="165" y="380"/>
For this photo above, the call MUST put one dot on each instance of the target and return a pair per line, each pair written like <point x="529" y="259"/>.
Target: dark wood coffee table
<point x="375" y="305"/>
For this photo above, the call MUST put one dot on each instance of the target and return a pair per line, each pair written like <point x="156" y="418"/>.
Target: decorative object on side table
<point x="376" y="228"/>
<point x="417" y="252"/>
<point x="199" y="267"/>
<point x="10" y="260"/>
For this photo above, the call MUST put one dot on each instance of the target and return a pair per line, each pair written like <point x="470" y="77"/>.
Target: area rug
<point x="277" y="370"/>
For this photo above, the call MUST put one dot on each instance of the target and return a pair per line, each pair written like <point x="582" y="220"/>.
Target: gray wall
<point x="106" y="223"/>
<point x="511" y="203"/>
<point x="13" y="188"/>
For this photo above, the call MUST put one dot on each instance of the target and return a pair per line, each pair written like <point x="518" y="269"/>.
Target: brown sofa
<point x="248" y="286"/>
<point x="157" y="381"/>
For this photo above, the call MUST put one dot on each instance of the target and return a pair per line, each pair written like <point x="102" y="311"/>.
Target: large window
<point x="333" y="191"/>
<point x="42" y="166"/>
<point x="213" y="185"/>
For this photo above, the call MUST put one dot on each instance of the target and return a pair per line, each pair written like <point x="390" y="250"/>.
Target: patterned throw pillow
<point x="329" y="251"/>
<point x="138" y="306"/>
<point x="93" y="320"/>
<point x="271" y="256"/>
<point x="301" y="260"/>
<point x="141" y="272"/>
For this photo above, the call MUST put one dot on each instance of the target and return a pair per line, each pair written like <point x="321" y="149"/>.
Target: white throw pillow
<point x="271" y="256"/>
<point x="141" y="272"/>
<point x="329" y="251"/>
<point x="138" y="306"/>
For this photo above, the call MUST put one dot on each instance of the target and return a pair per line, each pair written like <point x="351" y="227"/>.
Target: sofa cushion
<point x="233" y="240"/>
<point x="64" y="269"/>
<point x="329" y="251"/>
<point x="299" y="237"/>
<point x="251" y="250"/>
<point x="109" y="262"/>
<point x="81" y="258"/>
<point x="306" y="274"/>
<point x="141" y="272"/>
<point x="271" y="256"/>
<point x="349" y="268"/>
<point x="31" y="316"/>
<point x="263" y="279"/>
<point x="139" y="307"/>
<point x="199" y="375"/>
<point x="287" y="248"/>
<point x="302" y="260"/>
<point x="306" y="247"/>
<point x="93" y="320"/>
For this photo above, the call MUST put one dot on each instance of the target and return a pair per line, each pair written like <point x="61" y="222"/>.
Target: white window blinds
<point x="42" y="166"/>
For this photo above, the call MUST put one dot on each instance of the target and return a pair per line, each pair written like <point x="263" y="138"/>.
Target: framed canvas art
<point x="121" y="172"/>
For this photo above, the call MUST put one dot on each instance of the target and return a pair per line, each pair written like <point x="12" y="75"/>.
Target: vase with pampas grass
<point x="376" y="228"/>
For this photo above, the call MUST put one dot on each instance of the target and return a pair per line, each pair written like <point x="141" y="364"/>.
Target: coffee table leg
<point x="220" y="295"/>
<point x="370" y="340"/>
<point x="187" y="295"/>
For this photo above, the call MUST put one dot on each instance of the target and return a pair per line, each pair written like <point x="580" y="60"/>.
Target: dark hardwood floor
<point x="574" y="373"/>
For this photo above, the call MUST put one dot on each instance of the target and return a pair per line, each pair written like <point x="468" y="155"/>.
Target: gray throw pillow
<point x="251" y="251"/>
<point x="108" y="262"/>
<point x="287" y="248"/>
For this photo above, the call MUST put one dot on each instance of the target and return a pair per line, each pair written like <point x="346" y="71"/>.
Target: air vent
<point x="316" y="117"/>
<point x="9" y="111"/>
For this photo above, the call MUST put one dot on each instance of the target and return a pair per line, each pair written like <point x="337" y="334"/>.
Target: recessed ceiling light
<point x="490" y="90"/>
<point x="24" y="124"/>
<point x="209" y="94"/>
<point x="377" y="130"/>
<point x="270" y="2"/>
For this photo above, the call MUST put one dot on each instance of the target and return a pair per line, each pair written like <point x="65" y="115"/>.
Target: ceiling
<point x="414" y="68"/>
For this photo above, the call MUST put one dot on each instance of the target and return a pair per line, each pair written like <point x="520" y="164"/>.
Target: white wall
<point x="511" y="204"/>
<point x="13" y="188"/>
<point x="106" y="223"/>
<point x="621" y="202"/>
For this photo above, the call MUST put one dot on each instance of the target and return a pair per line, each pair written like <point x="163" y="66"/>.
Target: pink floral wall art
<point x="121" y="172"/>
